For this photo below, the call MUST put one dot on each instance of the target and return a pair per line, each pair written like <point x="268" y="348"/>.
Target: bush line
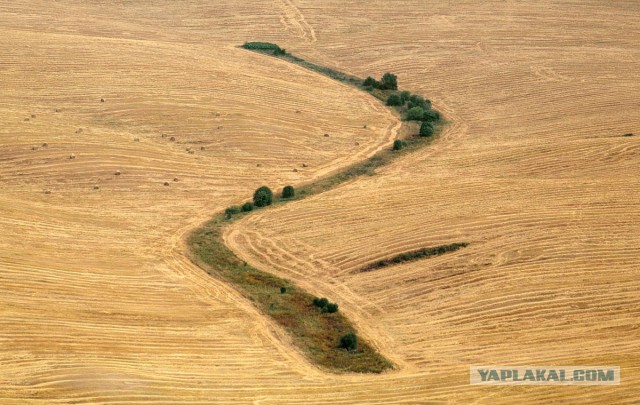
<point x="414" y="255"/>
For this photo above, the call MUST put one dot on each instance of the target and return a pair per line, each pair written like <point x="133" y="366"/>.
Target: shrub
<point x="430" y="115"/>
<point x="262" y="197"/>
<point x="320" y="302"/>
<point x="288" y="192"/>
<point x="394" y="99"/>
<point x="389" y="81"/>
<point x="426" y="129"/>
<point x="349" y="342"/>
<point x="405" y="95"/>
<point x="246" y="207"/>
<point x="416" y="99"/>
<point x="229" y="212"/>
<point x="283" y="290"/>
<point x="369" y="81"/>
<point x="415" y="114"/>
<point x="399" y="144"/>
<point x="331" y="308"/>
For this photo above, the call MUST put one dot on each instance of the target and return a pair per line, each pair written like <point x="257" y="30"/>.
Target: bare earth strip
<point x="99" y="304"/>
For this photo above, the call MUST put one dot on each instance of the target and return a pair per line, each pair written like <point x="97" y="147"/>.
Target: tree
<point x="405" y="95"/>
<point x="246" y="207"/>
<point x="415" y="114"/>
<point x="426" y="129"/>
<point x="283" y="290"/>
<point x="331" y="308"/>
<point x="369" y="81"/>
<point x="398" y="144"/>
<point x="349" y="342"/>
<point x="390" y="81"/>
<point x="288" y="192"/>
<point x="430" y="116"/>
<point x="395" y="99"/>
<point x="320" y="302"/>
<point x="262" y="197"/>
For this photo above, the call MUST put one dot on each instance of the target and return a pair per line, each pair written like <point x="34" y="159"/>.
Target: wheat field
<point x="99" y="303"/>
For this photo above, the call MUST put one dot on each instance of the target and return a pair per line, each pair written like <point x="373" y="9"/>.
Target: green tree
<point x="395" y="99"/>
<point x="430" y="115"/>
<point x="331" y="308"/>
<point x="246" y="207"/>
<point x="398" y="144"/>
<point x="415" y="114"/>
<point x="426" y="129"/>
<point x="288" y="192"/>
<point x="390" y="81"/>
<point x="262" y="197"/>
<point x="231" y="211"/>
<point x="405" y="95"/>
<point x="349" y="342"/>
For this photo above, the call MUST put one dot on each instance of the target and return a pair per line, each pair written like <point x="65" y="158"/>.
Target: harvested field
<point x="100" y="304"/>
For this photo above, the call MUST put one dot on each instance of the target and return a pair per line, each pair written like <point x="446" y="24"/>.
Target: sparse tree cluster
<point x="389" y="81"/>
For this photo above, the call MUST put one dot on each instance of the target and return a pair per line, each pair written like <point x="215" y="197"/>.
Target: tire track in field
<point x="294" y="21"/>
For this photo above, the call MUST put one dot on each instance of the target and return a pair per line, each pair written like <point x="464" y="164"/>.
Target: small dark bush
<point x="283" y="290"/>
<point x="320" y="302"/>
<point x="288" y="192"/>
<point x="370" y="83"/>
<point x="430" y="116"/>
<point x="246" y="207"/>
<point x="349" y="342"/>
<point x="426" y="129"/>
<point x="331" y="308"/>
<point x="399" y="144"/>
<point x="390" y="81"/>
<point x="395" y="100"/>
<point x="415" y="114"/>
<point x="262" y="197"/>
<point x="405" y="95"/>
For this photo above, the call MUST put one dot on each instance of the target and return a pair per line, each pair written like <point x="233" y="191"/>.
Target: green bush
<point x="320" y="302"/>
<point x="288" y="192"/>
<point x="399" y="144"/>
<point x="283" y="290"/>
<point x="331" y="308"/>
<point x="415" y="114"/>
<point x="426" y="129"/>
<point x="389" y="81"/>
<point x="246" y="207"/>
<point x="395" y="100"/>
<point x="405" y="95"/>
<point x="262" y="197"/>
<point x="231" y="211"/>
<point x="349" y="342"/>
<point x="371" y="83"/>
<point x="430" y="116"/>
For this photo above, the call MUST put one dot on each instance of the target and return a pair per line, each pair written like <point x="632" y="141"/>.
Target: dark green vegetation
<point x="323" y="334"/>
<point x="426" y="129"/>
<point x="288" y="192"/>
<point x="262" y="197"/>
<point x="349" y="342"/>
<point x="415" y="255"/>
<point x="325" y="305"/>
<point x="265" y="47"/>
<point x="316" y="333"/>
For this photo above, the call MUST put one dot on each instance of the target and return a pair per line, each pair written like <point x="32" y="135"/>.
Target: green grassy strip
<point x="316" y="333"/>
<point x="415" y="255"/>
<point x="313" y="331"/>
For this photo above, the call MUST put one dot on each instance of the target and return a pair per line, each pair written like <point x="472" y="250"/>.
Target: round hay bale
<point x="295" y="170"/>
<point x="166" y="183"/>
<point x="102" y="100"/>
<point x="304" y="165"/>
<point x="72" y="156"/>
<point x="259" y="165"/>
<point x="326" y="135"/>
<point x="57" y="110"/>
<point x="298" y="111"/>
<point x="117" y="173"/>
<point x="202" y="148"/>
<point x="34" y="148"/>
<point x="357" y="143"/>
<point x="364" y="126"/>
<point x="26" y="119"/>
<point x="33" y="115"/>
<point x="164" y="135"/>
<point x="136" y="139"/>
<point x="172" y="139"/>
<point x="44" y="145"/>
<point x="175" y="179"/>
<point x="79" y="130"/>
<point x="96" y="187"/>
<point x="47" y="191"/>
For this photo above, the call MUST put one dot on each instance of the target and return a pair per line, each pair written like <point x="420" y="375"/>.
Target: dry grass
<point x="100" y="304"/>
